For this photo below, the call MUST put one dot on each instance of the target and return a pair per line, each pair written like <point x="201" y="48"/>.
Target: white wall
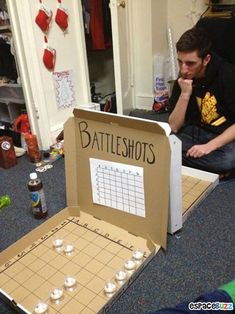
<point x="183" y="14"/>
<point x="143" y="47"/>
<point x="152" y="19"/>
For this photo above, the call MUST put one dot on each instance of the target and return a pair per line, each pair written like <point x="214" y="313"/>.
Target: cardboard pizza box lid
<point x="94" y="139"/>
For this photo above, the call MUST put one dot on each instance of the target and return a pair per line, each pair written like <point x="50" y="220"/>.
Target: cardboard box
<point x="188" y="187"/>
<point x="106" y="220"/>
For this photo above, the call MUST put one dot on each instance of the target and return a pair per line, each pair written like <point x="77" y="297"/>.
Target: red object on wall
<point x="43" y="18"/>
<point x="61" y="17"/>
<point x="49" y="56"/>
<point x="7" y="152"/>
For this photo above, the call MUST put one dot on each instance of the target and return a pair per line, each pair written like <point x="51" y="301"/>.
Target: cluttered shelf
<point x="220" y="9"/>
<point x="12" y="101"/>
<point x="4" y="28"/>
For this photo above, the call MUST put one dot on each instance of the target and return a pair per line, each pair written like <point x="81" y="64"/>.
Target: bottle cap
<point x="33" y="176"/>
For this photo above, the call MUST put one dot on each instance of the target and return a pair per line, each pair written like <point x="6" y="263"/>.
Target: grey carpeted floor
<point x="198" y="259"/>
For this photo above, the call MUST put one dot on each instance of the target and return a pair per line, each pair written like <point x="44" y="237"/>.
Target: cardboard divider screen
<point x="118" y="144"/>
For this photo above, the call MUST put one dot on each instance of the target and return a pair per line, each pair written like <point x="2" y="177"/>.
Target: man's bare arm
<point x="177" y="117"/>
<point x="224" y="138"/>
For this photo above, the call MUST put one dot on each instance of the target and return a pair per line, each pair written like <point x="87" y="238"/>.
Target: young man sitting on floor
<point x="202" y="105"/>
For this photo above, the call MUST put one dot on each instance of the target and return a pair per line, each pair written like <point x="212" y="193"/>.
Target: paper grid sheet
<point x="118" y="185"/>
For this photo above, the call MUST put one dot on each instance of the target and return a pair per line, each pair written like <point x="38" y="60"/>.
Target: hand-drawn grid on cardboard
<point x="192" y="189"/>
<point x="30" y="276"/>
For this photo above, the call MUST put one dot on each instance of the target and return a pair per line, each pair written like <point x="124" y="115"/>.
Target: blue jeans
<point x="219" y="161"/>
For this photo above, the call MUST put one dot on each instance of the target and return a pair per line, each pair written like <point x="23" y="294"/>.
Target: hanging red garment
<point x="97" y="24"/>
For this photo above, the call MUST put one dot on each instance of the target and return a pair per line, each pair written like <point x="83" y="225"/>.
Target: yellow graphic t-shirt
<point x="209" y="114"/>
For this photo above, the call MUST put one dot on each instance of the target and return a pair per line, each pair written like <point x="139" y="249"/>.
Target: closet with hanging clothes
<point x="98" y="37"/>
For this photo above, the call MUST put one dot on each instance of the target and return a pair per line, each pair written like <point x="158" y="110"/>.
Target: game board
<point x="30" y="276"/>
<point x="192" y="189"/>
<point x="105" y="232"/>
<point x="117" y="186"/>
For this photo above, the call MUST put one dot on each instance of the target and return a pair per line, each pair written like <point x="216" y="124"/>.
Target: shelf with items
<point x="12" y="101"/>
<point x="5" y="28"/>
<point x="4" y="113"/>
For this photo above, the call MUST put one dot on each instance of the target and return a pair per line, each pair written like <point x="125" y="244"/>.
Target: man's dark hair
<point x="194" y="39"/>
